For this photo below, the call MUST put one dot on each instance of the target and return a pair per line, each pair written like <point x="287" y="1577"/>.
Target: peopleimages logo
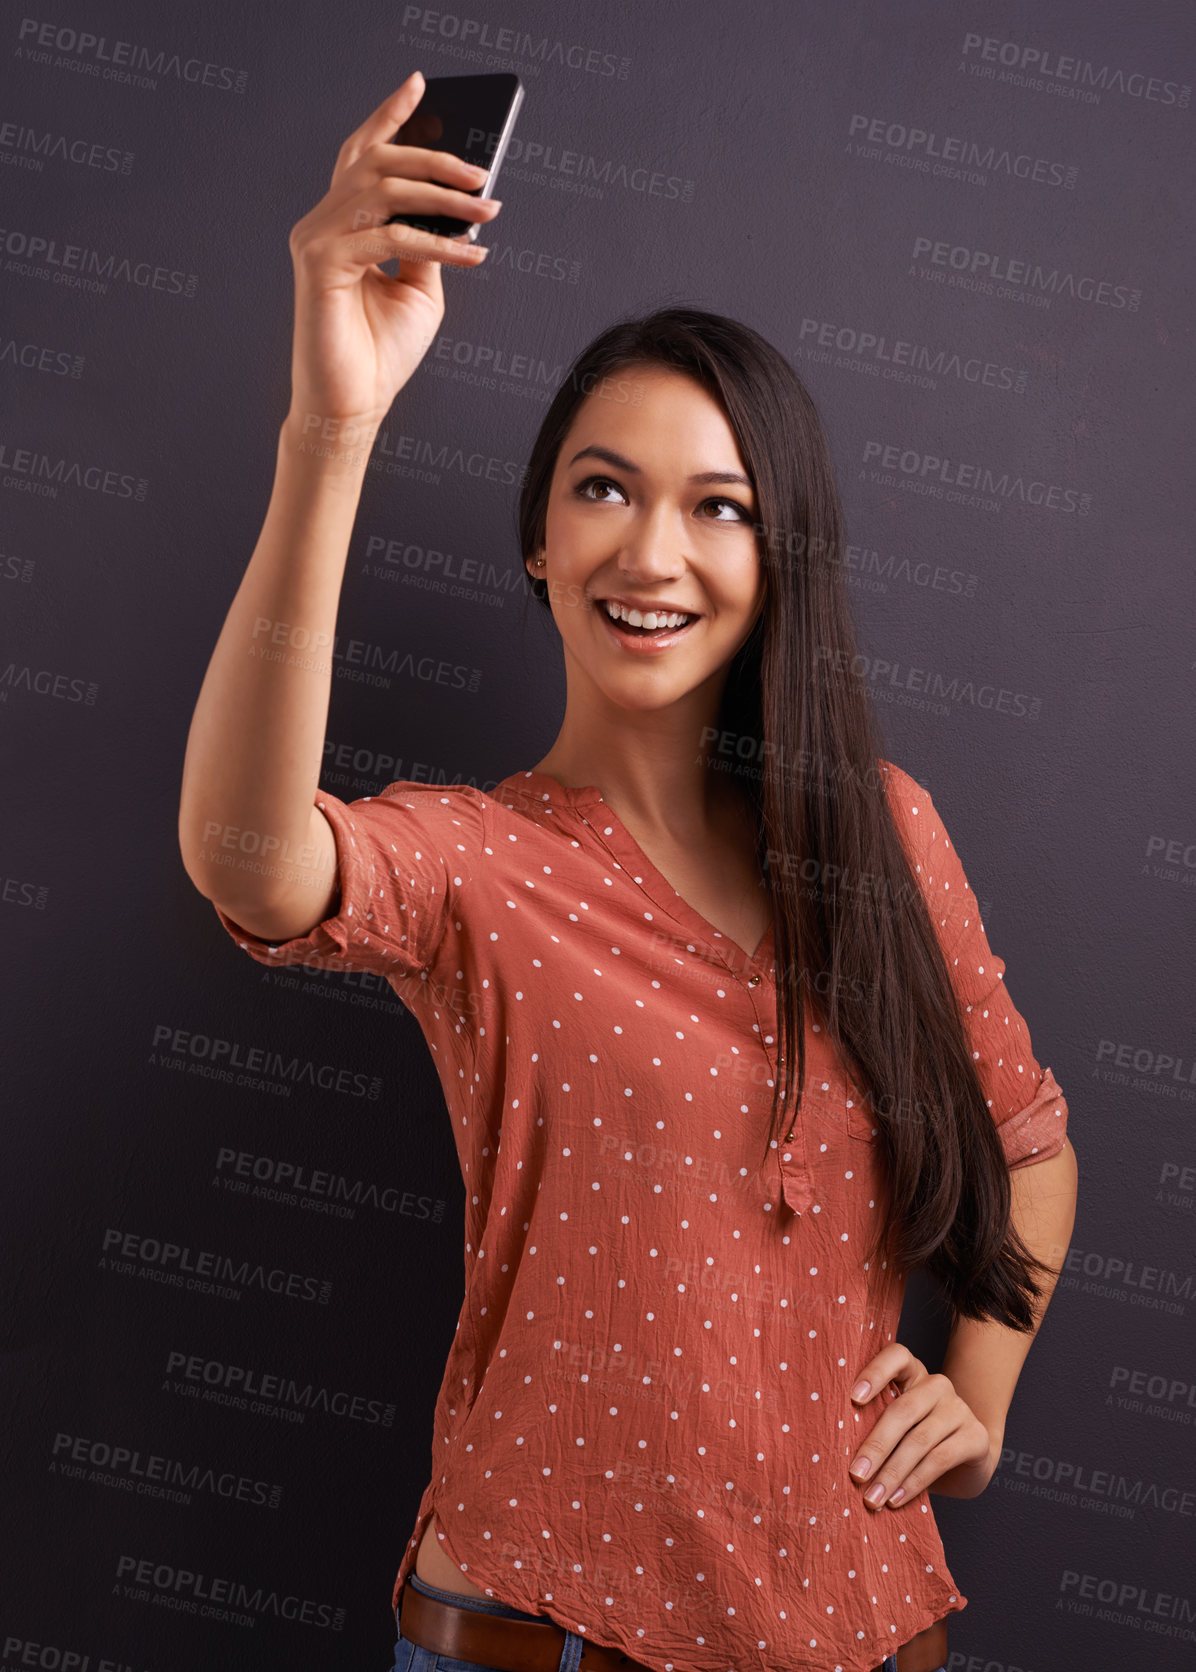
<point x="930" y="688"/>
<point x="40" y="357"/>
<point x="125" y="62"/>
<point x="904" y="359"/>
<point x="381" y="767"/>
<point x="42" y="474"/>
<point x="296" y="646"/>
<point x="42" y="682"/>
<point x="1143" y="1059"/>
<point x="242" y="1388"/>
<point x="1151" y="1393"/>
<point x="930" y="473"/>
<point x="953" y="155"/>
<point x="1127" y="1602"/>
<point x="1182" y="1179"/>
<point x="959" y="1661"/>
<point x="28" y="1651"/>
<point x="205" y="1595"/>
<point x="219" y="1059"/>
<point x="1145" y="1069"/>
<point x="34" y="146"/>
<point x="472" y="575"/>
<point x="202" y="1271"/>
<point x="1113" y="1277"/>
<point x="577" y="171"/>
<point x="425" y="460"/>
<point x="76" y="1457"/>
<point x="22" y="892"/>
<point x="482" y="41"/>
<point x="36" y="255"/>
<point x="1117" y="1493"/>
<point x="983" y="268"/>
<point x="319" y="1190"/>
<point x="1041" y="69"/>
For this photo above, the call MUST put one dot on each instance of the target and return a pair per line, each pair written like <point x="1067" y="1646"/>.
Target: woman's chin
<point x="646" y="694"/>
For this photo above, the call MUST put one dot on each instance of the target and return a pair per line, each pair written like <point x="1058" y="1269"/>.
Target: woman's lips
<point x="645" y="643"/>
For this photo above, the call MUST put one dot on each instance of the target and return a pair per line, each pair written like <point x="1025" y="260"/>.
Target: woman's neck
<point x="670" y="792"/>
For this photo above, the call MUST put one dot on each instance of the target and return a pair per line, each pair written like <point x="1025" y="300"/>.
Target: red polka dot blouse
<point x="645" y="1422"/>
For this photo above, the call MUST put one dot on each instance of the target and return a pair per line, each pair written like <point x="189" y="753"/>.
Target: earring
<point x="540" y="562"/>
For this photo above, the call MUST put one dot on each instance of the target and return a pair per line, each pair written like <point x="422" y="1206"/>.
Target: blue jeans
<point x="409" y="1657"/>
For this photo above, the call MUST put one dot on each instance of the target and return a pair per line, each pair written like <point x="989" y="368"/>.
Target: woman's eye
<point x="740" y="513"/>
<point x="595" y="481"/>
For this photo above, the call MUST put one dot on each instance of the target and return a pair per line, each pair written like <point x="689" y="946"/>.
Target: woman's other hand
<point x="927" y="1436"/>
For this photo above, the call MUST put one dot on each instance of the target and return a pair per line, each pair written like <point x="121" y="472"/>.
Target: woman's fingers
<point x="400" y="194"/>
<point x="353" y="225"/>
<point x="381" y="125"/>
<point x="933" y="1437"/>
<point x="375" y="179"/>
<point x="444" y="170"/>
<point x="368" y="237"/>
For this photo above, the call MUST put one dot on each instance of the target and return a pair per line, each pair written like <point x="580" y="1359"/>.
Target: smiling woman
<point x="647" y="558"/>
<point x="726" y="1053"/>
<point x="765" y="661"/>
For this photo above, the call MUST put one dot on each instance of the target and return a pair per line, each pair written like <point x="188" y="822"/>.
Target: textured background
<point x="857" y="183"/>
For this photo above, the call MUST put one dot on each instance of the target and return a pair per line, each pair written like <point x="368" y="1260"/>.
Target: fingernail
<point x="861" y="1390"/>
<point x="876" y="1493"/>
<point x="896" y="1497"/>
<point x="862" y="1468"/>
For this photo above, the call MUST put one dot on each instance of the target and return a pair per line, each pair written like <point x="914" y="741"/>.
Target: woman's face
<point x="630" y="524"/>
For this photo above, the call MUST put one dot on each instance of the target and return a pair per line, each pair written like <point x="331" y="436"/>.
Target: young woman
<point x="724" y="1046"/>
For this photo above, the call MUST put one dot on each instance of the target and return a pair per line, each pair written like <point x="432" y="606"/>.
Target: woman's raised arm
<point x="251" y="838"/>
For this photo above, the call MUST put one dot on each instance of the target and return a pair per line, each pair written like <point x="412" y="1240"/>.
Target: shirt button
<point x="753" y="980"/>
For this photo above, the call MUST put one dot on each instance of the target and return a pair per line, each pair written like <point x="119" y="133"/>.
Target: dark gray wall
<point x="1011" y="450"/>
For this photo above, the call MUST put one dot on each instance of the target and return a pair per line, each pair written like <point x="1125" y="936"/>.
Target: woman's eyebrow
<point x="611" y="457"/>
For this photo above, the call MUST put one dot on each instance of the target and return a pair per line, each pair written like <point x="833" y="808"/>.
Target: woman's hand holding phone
<point x="359" y="333"/>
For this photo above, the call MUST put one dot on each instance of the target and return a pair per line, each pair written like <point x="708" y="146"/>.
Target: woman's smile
<point x="642" y="630"/>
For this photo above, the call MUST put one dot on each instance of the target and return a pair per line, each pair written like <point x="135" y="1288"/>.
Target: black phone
<point x="472" y="116"/>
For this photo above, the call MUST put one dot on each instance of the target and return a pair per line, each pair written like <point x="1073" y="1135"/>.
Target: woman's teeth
<point x="649" y="620"/>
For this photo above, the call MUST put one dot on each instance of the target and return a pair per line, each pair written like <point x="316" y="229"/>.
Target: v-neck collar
<point x="588" y="801"/>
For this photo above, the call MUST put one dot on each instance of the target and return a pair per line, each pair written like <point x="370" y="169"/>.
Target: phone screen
<point x="473" y="117"/>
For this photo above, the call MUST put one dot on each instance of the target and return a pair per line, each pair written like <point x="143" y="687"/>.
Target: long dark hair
<point x="867" y="960"/>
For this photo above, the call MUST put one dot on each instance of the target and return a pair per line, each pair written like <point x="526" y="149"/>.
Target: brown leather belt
<point x="534" y="1646"/>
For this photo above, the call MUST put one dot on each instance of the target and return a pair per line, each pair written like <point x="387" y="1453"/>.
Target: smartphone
<point x="472" y="116"/>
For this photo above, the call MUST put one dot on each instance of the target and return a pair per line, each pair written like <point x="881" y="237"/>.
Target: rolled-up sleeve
<point x="1027" y="1105"/>
<point x="403" y="858"/>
